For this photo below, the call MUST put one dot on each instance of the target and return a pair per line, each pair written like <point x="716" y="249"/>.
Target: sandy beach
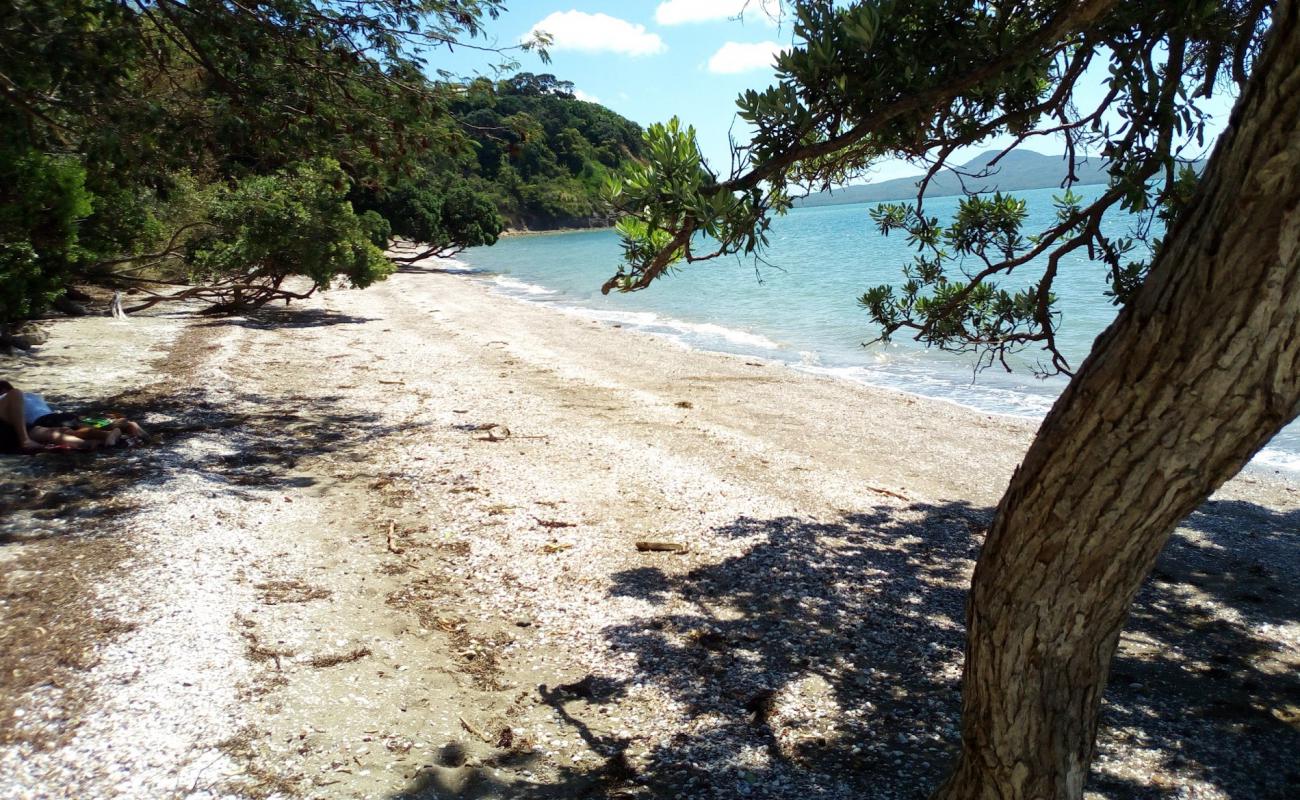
<point x="386" y="545"/>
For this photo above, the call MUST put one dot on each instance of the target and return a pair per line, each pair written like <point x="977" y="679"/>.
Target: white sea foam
<point x="453" y="265"/>
<point x="733" y="335"/>
<point x="635" y="318"/>
<point x="985" y="400"/>
<point x="512" y="285"/>
<point x="674" y="329"/>
<point x="896" y="370"/>
<point x="1000" y="401"/>
<point x="1272" y="458"/>
<point x="855" y="374"/>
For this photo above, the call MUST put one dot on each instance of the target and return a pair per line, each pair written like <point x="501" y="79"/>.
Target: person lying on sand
<point x="28" y="423"/>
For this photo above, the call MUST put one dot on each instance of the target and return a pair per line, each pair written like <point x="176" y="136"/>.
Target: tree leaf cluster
<point x="296" y="221"/>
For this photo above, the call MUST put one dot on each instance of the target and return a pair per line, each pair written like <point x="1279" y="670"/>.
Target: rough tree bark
<point x="1196" y="374"/>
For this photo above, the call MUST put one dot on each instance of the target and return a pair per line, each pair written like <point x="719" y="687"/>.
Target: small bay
<point x="799" y="305"/>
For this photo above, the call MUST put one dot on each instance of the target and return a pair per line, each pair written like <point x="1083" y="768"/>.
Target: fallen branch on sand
<point x="259" y="652"/>
<point x="496" y="432"/>
<point x="227" y="296"/>
<point x="289" y="591"/>
<point x="475" y="732"/>
<point x="661" y="547"/>
<point x="887" y="492"/>
<point x="392" y="526"/>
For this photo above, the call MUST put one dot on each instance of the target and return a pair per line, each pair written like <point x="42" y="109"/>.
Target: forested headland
<point x="542" y="155"/>
<point x="210" y="151"/>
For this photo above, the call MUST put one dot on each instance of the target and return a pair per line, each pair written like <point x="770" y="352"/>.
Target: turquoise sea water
<point x="802" y="309"/>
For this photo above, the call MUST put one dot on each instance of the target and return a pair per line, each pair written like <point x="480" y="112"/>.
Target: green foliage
<point x="542" y="156"/>
<point x="378" y="231"/>
<point x="672" y="196"/>
<point x="458" y="216"/>
<point x="641" y="241"/>
<point x="470" y="218"/>
<point x="163" y="107"/>
<point x="42" y="198"/>
<point x="1127" y="276"/>
<point x="297" y="221"/>
<point x="920" y="80"/>
<point x="961" y="315"/>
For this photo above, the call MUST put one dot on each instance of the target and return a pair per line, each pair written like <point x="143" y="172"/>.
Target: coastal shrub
<point x="42" y="199"/>
<point x="542" y="155"/>
<point x="222" y="104"/>
<point x="470" y="218"/>
<point x="295" y="222"/>
<point x="452" y="218"/>
<point x="177" y="116"/>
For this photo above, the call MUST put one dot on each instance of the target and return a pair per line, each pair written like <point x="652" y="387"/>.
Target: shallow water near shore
<point x="801" y="307"/>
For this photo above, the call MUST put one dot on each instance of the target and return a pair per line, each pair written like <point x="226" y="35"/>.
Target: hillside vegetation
<point x="541" y="154"/>
<point x="211" y="152"/>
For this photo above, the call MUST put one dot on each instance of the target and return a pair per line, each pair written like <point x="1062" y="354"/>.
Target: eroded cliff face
<point x="534" y="224"/>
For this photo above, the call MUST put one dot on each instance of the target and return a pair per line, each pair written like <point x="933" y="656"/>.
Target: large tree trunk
<point x="1196" y="374"/>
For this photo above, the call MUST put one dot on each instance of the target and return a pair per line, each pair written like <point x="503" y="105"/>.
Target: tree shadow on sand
<point x="276" y="317"/>
<point x="1207" y="681"/>
<point x="74" y="493"/>
<point x="62" y="516"/>
<point x="825" y="660"/>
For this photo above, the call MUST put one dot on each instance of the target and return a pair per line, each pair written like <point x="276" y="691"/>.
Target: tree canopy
<point x="140" y="123"/>
<point x="131" y="134"/>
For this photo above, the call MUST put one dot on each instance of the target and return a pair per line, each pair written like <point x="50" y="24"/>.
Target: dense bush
<point x="41" y="200"/>
<point x="542" y="154"/>
<point x="426" y="212"/>
<point x="297" y="221"/>
<point x="232" y="143"/>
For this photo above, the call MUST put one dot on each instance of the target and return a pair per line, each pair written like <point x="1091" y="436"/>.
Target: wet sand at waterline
<point x="386" y="546"/>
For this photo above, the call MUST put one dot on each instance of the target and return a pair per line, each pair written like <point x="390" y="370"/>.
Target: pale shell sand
<point x="383" y="527"/>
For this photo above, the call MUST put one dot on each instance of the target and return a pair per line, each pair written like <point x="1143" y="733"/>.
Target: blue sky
<point x="650" y="60"/>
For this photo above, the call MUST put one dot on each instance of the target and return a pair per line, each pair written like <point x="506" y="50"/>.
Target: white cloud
<point x="678" y="12"/>
<point x="735" y="57"/>
<point x="581" y="95"/>
<point x="595" y="33"/>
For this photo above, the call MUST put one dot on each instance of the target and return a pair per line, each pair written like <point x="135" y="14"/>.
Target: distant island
<point x="1019" y="169"/>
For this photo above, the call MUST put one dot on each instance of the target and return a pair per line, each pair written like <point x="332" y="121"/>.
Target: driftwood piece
<point x="326" y="660"/>
<point x="392" y="548"/>
<point x="661" y="547"/>
<point x="887" y="492"/>
<point x="226" y="296"/>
